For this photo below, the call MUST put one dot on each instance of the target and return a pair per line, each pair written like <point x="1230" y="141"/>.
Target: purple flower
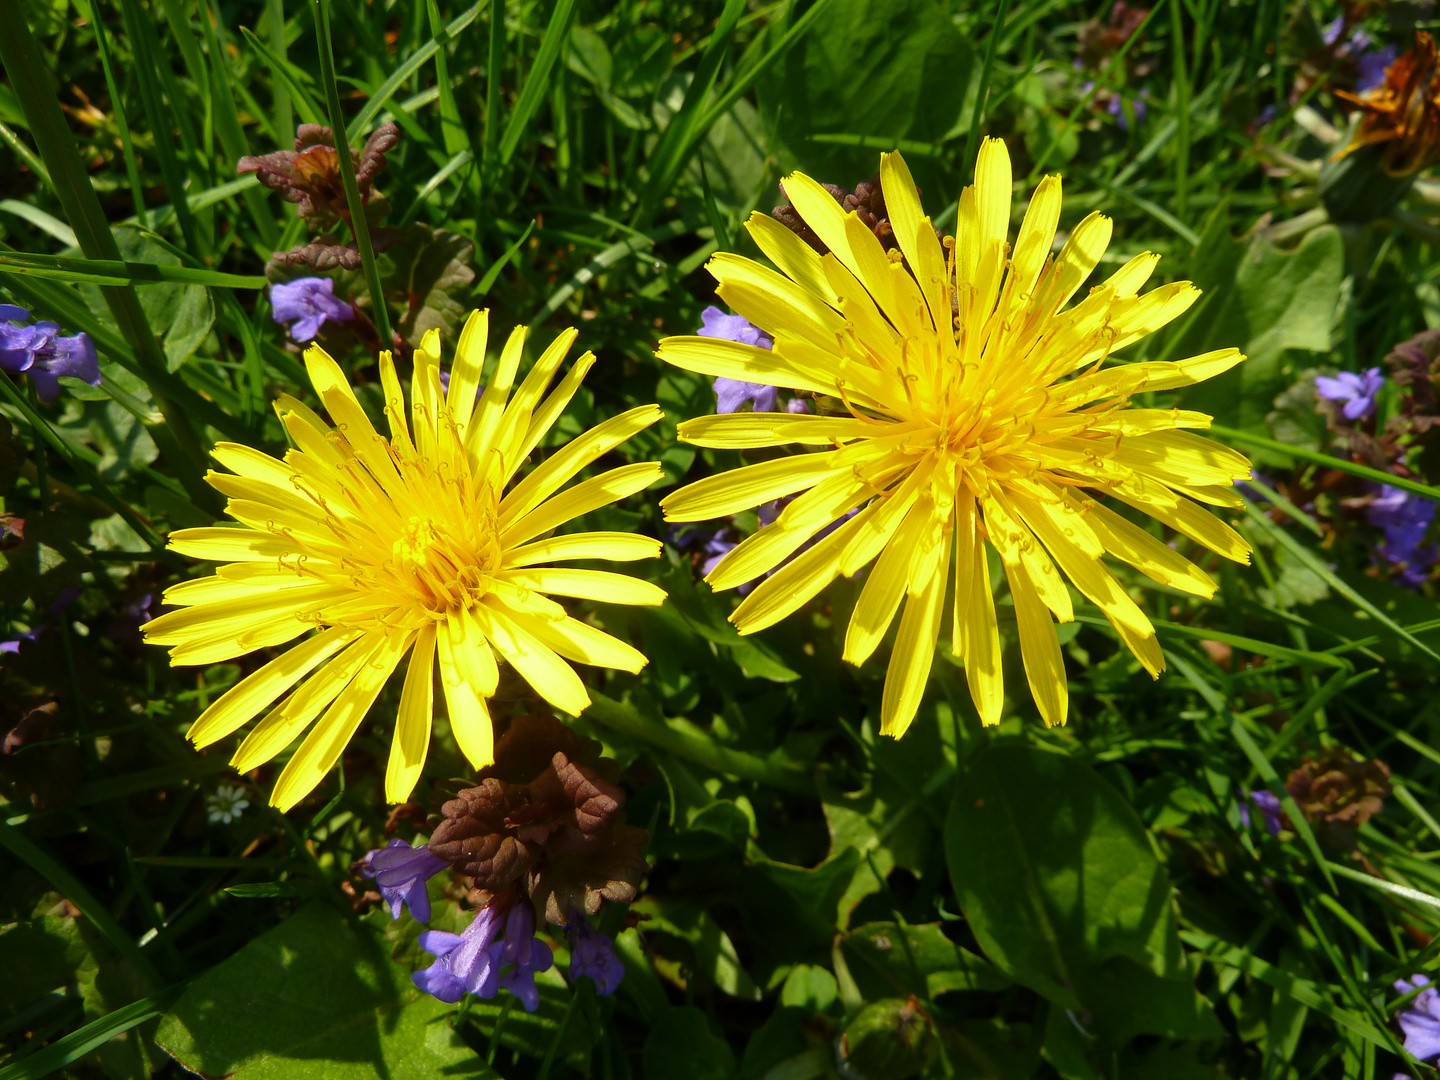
<point x="1370" y="67"/>
<point x="798" y="405"/>
<point x="713" y="544"/>
<point x="520" y="956"/>
<point x="482" y="959"/>
<point x="306" y="303"/>
<point x="731" y="395"/>
<point x="41" y="353"/>
<point x="464" y="960"/>
<point x="1269" y="807"/>
<point x="1420" y="1020"/>
<point x="1405" y="518"/>
<point x="593" y="954"/>
<point x="66" y="597"/>
<point x="12" y="645"/>
<point x="1357" y="391"/>
<point x="401" y="872"/>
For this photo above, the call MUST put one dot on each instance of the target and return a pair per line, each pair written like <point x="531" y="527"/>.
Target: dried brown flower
<point x="543" y="814"/>
<point x="309" y="175"/>
<point x="1338" y="790"/>
<point x="1402" y="114"/>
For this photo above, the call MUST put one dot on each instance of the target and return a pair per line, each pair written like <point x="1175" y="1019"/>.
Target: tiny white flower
<point x="226" y="805"/>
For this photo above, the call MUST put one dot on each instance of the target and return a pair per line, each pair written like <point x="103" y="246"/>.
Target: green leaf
<point x="1267" y="302"/>
<point x="682" y="1044"/>
<point x="892" y="960"/>
<point x="1053" y="869"/>
<point x="316" y="997"/>
<point x="891" y="68"/>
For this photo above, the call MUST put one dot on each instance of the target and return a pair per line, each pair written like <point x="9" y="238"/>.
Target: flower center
<point x="443" y="571"/>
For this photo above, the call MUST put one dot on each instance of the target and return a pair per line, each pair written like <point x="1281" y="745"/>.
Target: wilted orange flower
<point x="1403" y="112"/>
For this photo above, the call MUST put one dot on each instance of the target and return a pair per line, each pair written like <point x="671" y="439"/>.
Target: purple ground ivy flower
<point x="40" y="352"/>
<point x="401" y="872"/>
<point x="1356" y="391"/>
<point x="307" y="303"/>
<point x="593" y="953"/>
<point x="731" y="395"/>
<point x="497" y="950"/>
<point x="1420" y="1020"/>
<point x="712" y="543"/>
<point x="519" y="956"/>
<point x="1404" y="518"/>
<point x="463" y="962"/>
<point x="1269" y="807"/>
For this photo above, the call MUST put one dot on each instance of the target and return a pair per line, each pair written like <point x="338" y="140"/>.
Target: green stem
<point x="358" y="224"/>
<point x="682" y="739"/>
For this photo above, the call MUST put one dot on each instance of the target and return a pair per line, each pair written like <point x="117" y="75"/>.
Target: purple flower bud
<point x="798" y="405"/>
<point x="731" y="395"/>
<point x="307" y="303"/>
<point x="401" y="872"/>
<point x="463" y="963"/>
<point x="41" y="353"/>
<point x="1420" y="1020"/>
<point x="593" y="954"/>
<point x="1356" y="391"/>
<point x="519" y="956"/>
<point x="1405" y="518"/>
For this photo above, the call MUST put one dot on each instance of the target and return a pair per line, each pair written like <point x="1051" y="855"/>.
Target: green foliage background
<point x="1081" y="902"/>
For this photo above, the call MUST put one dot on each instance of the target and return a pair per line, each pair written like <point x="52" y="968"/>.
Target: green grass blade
<point x="290" y="75"/>
<point x="537" y="81"/>
<point x="412" y="63"/>
<point x="39" y="860"/>
<point x="685" y="129"/>
<point x="227" y="127"/>
<point x="31" y="84"/>
<point x="284" y="120"/>
<point x="499" y="264"/>
<point x="25" y="154"/>
<point x="452" y="132"/>
<point x="121" y="272"/>
<point x="158" y="119"/>
<point x="495" y="61"/>
<point x="449" y="169"/>
<point x="745" y="78"/>
<point x="982" y="97"/>
<point x="1258" y="760"/>
<point x="91" y="1037"/>
<point x="358" y="224"/>
<point x="127" y="146"/>
<point x="1317" y="458"/>
<point x="1321" y="569"/>
<point x="47" y="223"/>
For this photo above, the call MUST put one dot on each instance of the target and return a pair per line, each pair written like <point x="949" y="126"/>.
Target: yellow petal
<point x="915" y="235"/>
<point x="610" y="546"/>
<point x="585" y="496"/>
<point x="327" y="740"/>
<point x="287" y="720"/>
<point x="886" y="585"/>
<point x="562" y="466"/>
<point x="411" y="741"/>
<point x="798" y="581"/>
<point x="543" y="418"/>
<point x="795" y="258"/>
<point x="587" y="585"/>
<point x="982" y="659"/>
<point x="992" y="191"/>
<point x="254" y="692"/>
<point x="466" y="371"/>
<point x="1160" y="562"/>
<point x="747" y="487"/>
<point x="580" y="642"/>
<point x="461" y="668"/>
<point x="752" y="430"/>
<point x="552" y="678"/>
<point x="1039" y="647"/>
<point x="1037" y="235"/>
<point x="480" y="436"/>
<point x="229" y="544"/>
<point x="914" y="651"/>
<point x="772" y="301"/>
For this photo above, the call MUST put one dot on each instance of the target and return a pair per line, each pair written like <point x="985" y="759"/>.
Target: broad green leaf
<point x="1054" y="872"/>
<point x="892" y="960"/>
<point x="316" y="997"/>
<point x="1267" y="302"/>
<point x="891" y="68"/>
<point x="683" y="1046"/>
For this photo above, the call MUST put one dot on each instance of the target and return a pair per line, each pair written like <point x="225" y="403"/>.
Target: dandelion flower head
<point x="963" y="405"/>
<point x="423" y="543"/>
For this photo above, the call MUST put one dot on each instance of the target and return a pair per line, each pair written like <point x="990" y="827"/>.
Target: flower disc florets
<point x="966" y="405"/>
<point x="427" y="540"/>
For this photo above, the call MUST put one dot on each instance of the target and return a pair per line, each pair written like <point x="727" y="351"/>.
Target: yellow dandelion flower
<point x="967" y="405"/>
<point x="411" y="542"/>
